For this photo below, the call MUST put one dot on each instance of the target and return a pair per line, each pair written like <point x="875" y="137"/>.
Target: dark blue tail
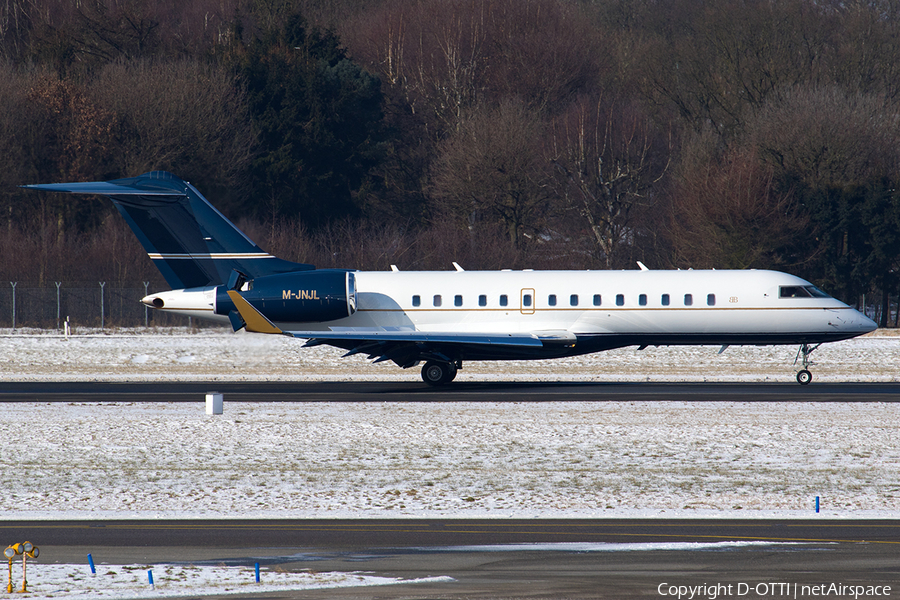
<point x="189" y="241"/>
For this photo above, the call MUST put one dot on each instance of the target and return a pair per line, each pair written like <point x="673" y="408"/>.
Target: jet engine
<point x="300" y="297"/>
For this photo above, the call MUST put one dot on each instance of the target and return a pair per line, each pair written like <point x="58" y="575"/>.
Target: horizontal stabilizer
<point x="105" y="188"/>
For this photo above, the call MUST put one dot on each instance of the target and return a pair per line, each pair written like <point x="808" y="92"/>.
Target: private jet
<point x="442" y="319"/>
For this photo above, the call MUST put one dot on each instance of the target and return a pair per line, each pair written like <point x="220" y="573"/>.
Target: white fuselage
<point x="619" y="307"/>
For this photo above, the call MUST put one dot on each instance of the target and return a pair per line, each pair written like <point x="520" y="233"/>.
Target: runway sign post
<point x="213" y="403"/>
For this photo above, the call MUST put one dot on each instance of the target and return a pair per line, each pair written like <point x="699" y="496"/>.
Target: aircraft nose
<point x="867" y="324"/>
<point x="859" y="324"/>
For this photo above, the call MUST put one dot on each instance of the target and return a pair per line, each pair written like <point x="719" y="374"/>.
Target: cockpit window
<point x="793" y="291"/>
<point x="801" y="291"/>
<point x="815" y="292"/>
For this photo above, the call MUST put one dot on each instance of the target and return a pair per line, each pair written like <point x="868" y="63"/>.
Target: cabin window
<point x="620" y="300"/>
<point x="597" y="300"/>
<point x="642" y="299"/>
<point x="417" y="300"/>
<point x="688" y="300"/>
<point x="551" y="299"/>
<point x="526" y="300"/>
<point x="710" y="299"/>
<point x="437" y="299"/>
<point x="504" y="301"/>
<point x="664" y="300"/>
<point x="457" y="300"/>
<point x="482" y="300"/>
<point x="573" y="300"/>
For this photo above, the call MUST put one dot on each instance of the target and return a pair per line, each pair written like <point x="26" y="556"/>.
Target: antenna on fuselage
<point x="642" y="266"/>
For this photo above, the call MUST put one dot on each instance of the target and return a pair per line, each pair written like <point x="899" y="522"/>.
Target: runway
<point x="456" y="392"/>
<point x="501" y="558"/>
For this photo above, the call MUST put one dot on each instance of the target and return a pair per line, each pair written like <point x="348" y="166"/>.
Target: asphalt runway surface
<point x="454" y="392"/>
<point x="494" y="559"/>
<point x="486" y="558"/>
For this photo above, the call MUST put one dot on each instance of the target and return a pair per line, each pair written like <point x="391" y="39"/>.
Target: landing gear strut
<point x="438" y="373"/>
<point x="804" y="376"/>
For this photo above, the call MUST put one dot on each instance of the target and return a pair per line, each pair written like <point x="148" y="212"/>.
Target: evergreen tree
<point x="318" y="119"/>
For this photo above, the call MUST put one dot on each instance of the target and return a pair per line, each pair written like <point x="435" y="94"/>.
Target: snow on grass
<point x="75" y="582"/>
<point x="220" y="355"/>
<point x="457" y="459"/>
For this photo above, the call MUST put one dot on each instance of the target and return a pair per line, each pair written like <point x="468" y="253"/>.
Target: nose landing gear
<point x="804" y="376"/>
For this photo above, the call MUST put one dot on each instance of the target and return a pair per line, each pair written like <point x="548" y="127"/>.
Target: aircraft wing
<point x="407" y="347"/>
<point x="383" y="344"/>
<point x="415" y="336"/>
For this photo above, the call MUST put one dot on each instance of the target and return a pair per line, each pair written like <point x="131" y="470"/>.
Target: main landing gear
<point x="438" y="373"/>
<point x="804" y="376"/>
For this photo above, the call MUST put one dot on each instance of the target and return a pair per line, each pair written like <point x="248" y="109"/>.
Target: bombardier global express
<point x="445" y="318"/>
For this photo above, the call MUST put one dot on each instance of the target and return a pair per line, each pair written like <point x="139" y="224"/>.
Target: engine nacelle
<point x="301" y="297"/>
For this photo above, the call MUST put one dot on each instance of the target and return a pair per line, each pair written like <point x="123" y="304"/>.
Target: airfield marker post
<point x="817" y="504"/>
<point x="13" y="284"/>
<point x="58" y="304"/>
<point x="150" y="578"/>
<point x="102" y="308"/>
<point x="257" y="572"/>
<point x="146" y="308"/>
<point x="214" y="404"/>
<point x="91" y="563"/>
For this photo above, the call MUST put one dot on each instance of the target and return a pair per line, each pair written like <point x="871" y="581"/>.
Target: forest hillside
<point x="495" y="133"/>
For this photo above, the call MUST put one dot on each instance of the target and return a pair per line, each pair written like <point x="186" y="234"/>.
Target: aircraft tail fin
<point x="189" y="241"/>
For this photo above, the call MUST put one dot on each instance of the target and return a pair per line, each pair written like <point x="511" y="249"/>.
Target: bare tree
<point x="713" y="60"/>
<point x="450" y="55"/>
<point x="609" y="159"/>
<point x="180" y="116"/>
<point x="730" y="215"/>
<point x="827" y="136"/>
<point x="490" y="172"/>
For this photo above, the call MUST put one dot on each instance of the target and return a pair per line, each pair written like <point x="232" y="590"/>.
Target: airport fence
<point x="100" y="305"/>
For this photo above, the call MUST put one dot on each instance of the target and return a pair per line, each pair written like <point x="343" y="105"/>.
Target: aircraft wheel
<point x="438" y="373"/>
<point x="804" y="377"/>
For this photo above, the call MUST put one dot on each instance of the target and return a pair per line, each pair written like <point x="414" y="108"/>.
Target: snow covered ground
<point x="456" y="459"/>
<point x="76" y="582"/>
<point x="220" y="355"/>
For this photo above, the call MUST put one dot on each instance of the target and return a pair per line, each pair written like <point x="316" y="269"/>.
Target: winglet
<point x="253" y="319"/>
<point x="642" y="266"/>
